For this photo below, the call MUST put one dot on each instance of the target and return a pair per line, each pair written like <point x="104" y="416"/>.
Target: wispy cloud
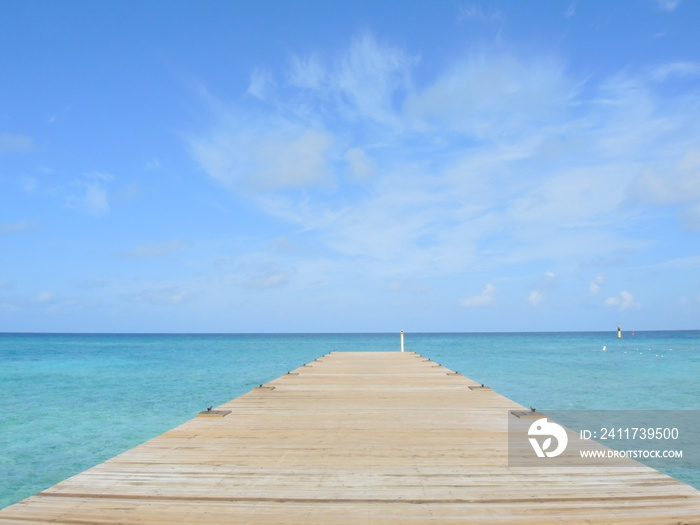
<point x="478" y="13"/>
<point x="668" y="5"/>
<point x="45" y="297"/>
<point x="14" y="143"/>
<point x="276" y="156"/>
<point x="99" y="175"/>
<point x="596" y="283"/>
<point x="541" y="287"/>
<point x="261" y="83"/>
<point x="153" y="249"/>
<point x="485" y="298"/>
<point x="675" y="184"/>
<point x="152" y="164"/>
<point x="267" y="280"/>
<point x="492" y="97"/>
<point x="360" y="164"/>
<point x="14" y="227"/>
<point x="306" y="73"/>
<point x="166" y="295"/>
<point x="496" y="160"/>
<point x="673" y="70"/>
<point x="93" y="199"/>
<point x="29" y="184"/>
<point x="95" y="283"/>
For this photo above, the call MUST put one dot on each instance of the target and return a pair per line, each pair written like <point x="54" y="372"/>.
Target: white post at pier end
<point x="402" y="340"/>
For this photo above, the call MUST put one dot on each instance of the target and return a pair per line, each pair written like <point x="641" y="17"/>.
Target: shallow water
<point x="68" y="402"/>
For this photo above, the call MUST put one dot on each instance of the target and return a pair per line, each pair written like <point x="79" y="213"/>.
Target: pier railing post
<point x="402" y="340"/>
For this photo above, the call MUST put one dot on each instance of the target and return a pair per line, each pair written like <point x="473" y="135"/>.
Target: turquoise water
<point x="68" y="402"/>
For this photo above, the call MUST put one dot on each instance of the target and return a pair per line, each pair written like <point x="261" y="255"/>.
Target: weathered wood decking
<point x="377" y="437"/>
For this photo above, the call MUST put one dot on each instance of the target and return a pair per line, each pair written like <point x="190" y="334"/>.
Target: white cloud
<point x="410" y="288"/>
<point x="100" y="175"/>
<point x="362" y="84"/>
<point x="596" y="283"/>
<point x="676" y="184"/>
<point x="668" y="5"/>
<point x="167" y="295"/>
<point x="494" y="161"/>
<point x="13" y="227"/>
<point x="294" y="161"/>
<point x="261" y="83"/>
<point x="535" y="298"/>
<point x="45" y="297"/>
<point x="547" y="283"/>
<point x="612" y="301"/>
<point x="492" y="97"/>
<point x="95" y="283"/>
<point x="266" y="281"/>
<point x="662" y="183"/>
<point x="370" y="74"/>
<point x="152" y="164"/>
<point x="485" y="298"/>
<point x="94" y="201"/>
<point x="667" y="188"/>
<point x="13" y="143"/>
<point x="670" y="70"/>
<point x="308" y="73"/>
<point x="691" y="216"/>
<point x="153" y="249"/>
<point x="29" y="184"/>
<point x="282" y="156"/>
<point x="361" y="166"/>
<point x="476" y="12"/>
<point x="624" y="301"/>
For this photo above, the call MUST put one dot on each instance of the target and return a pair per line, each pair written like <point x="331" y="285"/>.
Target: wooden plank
<point x="375" y="437"/>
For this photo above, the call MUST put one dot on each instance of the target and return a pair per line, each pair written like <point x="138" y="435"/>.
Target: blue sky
<point x="349" y="166"/>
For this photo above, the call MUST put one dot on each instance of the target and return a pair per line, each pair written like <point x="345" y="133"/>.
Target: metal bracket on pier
<point x="527" y="414"/>
<point x="213" y="413"/>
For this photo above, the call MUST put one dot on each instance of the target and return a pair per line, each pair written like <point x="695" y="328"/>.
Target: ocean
<point x="71" y="401"/>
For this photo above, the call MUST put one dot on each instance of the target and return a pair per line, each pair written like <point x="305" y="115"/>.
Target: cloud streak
<point x="13" y="227"/>
<point x="152" y="249"/>
<point x="167" y="295"/>
<point x="14" y="143"/>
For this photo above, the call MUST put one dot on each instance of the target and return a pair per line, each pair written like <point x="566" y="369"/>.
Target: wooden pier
<point x="354" y="437"/>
